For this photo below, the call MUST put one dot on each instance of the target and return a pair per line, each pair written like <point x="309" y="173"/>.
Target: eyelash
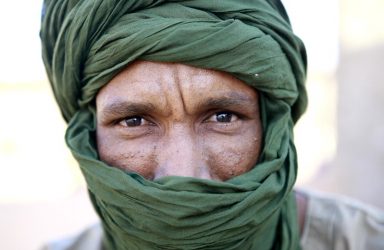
<point x="233" y="115"/>
<point x="124" y="120"/>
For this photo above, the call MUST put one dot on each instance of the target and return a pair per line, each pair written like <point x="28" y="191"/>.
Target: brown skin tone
<point x="160" y="119"/>
<point x="168" y="119"/>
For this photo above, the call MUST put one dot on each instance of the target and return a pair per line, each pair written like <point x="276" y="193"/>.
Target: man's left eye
<point x="223" y="117"/>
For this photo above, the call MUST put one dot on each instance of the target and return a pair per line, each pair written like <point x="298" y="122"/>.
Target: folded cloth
<point x="87" y="42"/>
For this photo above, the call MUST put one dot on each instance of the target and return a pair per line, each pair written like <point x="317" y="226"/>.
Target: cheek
<point x="229" y="162"/>
<point x="233" y="156"/>
<point x="131" y="156"/>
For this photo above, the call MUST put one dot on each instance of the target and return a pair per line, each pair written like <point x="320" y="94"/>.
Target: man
<point x="180" y="115"/>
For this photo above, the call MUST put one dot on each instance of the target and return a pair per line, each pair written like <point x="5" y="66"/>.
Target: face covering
<point x="86" y="43"/>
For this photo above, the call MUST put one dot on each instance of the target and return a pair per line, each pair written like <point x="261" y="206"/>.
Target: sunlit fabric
<point x="86" y="43"/>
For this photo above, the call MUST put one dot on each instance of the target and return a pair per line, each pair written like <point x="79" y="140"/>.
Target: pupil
<point x="134" y="121"/>
<point x="224" y="117"/>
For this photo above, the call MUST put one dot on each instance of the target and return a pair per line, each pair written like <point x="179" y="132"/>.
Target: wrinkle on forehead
<point x="176" y="89"/>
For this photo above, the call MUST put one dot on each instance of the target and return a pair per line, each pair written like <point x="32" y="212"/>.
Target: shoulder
<point x="90" y="239"/>
<point x="336" y="222"/>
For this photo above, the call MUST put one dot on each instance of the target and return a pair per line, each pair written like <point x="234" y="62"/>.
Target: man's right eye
<point x="133" y="121"/>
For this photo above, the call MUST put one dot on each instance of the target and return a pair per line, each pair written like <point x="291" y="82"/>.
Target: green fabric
<point x="86" y="43"/>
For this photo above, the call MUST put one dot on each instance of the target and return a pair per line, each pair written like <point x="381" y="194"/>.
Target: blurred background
<point x="340" y="139"/>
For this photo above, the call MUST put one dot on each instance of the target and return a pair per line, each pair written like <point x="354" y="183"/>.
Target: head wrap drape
<point x="87" y="42"/>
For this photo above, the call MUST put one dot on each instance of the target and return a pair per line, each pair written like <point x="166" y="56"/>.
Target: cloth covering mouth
<point x="87" y="42"/>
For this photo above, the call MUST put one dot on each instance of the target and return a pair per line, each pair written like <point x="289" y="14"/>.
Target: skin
<point x="168" y="119"/>
<point x="163" y="119"/>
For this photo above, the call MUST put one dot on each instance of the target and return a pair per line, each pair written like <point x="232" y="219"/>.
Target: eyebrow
<point x="233" y="100"/>
<point x="119" y="109"/>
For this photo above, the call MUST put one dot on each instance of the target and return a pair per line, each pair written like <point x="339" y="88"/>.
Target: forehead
<point x="161" y="83"/>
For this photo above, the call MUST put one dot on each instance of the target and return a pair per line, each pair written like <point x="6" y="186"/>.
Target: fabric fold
<point x="86" y="43"/>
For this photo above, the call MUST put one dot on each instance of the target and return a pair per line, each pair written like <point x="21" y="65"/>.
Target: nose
<point x="181" y="154"/>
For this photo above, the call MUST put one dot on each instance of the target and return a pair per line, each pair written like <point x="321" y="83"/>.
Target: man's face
<point x="163" y="119"/>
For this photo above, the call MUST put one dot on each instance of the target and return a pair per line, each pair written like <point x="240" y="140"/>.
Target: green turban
<point x="87" y="42"/>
